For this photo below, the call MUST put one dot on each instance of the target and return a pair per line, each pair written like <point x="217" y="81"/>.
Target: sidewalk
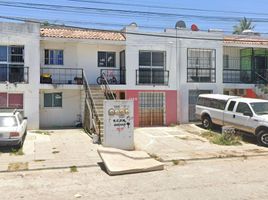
<point x="52" y="149"/>
<point x="183" y="143"/>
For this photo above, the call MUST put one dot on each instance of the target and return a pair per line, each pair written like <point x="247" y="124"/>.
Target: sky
<point x="179" y="10"/>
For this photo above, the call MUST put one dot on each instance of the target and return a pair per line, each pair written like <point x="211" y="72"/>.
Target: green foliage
<point x="226" y="139"/>
<point x="244" y="24"/>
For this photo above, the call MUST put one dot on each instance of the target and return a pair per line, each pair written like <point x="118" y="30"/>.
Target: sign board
<point x="118" y="124"/>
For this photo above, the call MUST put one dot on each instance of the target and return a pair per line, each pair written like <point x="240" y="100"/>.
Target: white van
<point x="245" y="114"/>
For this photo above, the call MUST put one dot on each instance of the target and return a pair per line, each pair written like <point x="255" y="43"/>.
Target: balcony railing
<point x="14" y="74"/>
<point x="114" y="76"/>
<point x="245" y="76"/>
<point x="152" y="77"/>
<point x="201" y="75"/>
<point x="61" y="76"/>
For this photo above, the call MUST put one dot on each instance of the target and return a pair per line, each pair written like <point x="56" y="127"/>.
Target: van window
<point x="212" y="103"/>
<point x="231" y="106"/>
<point x="242" y="107"/>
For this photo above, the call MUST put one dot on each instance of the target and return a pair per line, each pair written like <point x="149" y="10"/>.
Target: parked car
<point x="13" y="128"/>
<point x="245" y="114"/>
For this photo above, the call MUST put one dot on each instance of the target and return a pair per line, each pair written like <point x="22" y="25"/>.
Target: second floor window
<point x="53" y="57"/>
<point x="106" y="59"/>
<point x="152" y="59"/>
<point x="201" y="64"/>
<point x="12" y="54"/>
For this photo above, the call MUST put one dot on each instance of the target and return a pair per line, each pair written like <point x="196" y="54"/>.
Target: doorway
<point x="151" y="109"/>
<point x="193" y="96"/>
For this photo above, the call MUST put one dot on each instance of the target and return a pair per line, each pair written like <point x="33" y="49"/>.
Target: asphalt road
<point x="210" y="179"/>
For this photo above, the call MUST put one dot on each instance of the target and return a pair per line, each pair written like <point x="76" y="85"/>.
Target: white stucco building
<point x="42" y="70"/>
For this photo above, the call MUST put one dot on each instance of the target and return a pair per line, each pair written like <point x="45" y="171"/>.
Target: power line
<point x="115" y="31"/>
<point x="79" y="9"/>
<point x="166" y="7"/>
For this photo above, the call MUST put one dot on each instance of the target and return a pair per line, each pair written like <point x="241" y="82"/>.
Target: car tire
<point x="206" y="122"/>
<point x="262" y="138"/>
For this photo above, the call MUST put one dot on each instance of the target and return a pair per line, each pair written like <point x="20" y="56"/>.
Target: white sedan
<point x="13" y="129"/>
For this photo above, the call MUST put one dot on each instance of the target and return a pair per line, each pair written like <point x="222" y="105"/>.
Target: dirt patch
<point x="18" y="166"/>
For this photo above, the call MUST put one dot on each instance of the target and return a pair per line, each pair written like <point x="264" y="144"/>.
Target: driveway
<point x="185" y="143"/>
<point x="51" y="149"/>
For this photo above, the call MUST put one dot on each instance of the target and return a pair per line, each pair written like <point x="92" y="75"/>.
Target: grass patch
<point x="73" y="169"/>
<point x="226" y="139"/>
<point x="39" y="160"/>
<point x="17" y="152"/>
<point x="18" y="166"/>
<point x="55" y="152"/>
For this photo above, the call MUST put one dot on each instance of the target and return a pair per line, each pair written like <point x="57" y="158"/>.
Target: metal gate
<point x="193" y="95"/>
<point x="151" y="109"/>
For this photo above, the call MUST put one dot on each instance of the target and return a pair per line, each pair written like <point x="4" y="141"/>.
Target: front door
<point x="151" y="109"/>
<point x="193" y="96"/>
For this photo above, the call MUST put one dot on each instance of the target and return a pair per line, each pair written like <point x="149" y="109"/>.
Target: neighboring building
<point x="19" y="69"/>
<point x="43" y="70"/>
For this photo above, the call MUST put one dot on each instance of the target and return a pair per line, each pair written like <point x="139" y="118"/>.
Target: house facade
<point x="43" y="70"/>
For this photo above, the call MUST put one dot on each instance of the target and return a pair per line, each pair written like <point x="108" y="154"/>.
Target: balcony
<point x="114" y="76"/>
<point x="152" y="77"/>
<point x="201" y="75"/>
<point x="243" y="70"/>
<point x="72" y="76"/>
<point x="14" y="74"/>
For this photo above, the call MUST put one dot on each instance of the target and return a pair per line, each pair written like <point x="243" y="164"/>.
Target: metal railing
<point x="92" y="114"/>
<point x="152" y="77"/>
<point x="107" y="90"/>
<point x="201" y="75"/>
<point x="61" y="75"/>
<point x="245" y="76"/>
<point x="14" y="74"/>
<point x="114" y="76"/>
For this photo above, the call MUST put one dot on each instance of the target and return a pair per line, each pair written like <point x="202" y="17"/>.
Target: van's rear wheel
<point x="262" y="138"/>
<point x="206" y="122"/>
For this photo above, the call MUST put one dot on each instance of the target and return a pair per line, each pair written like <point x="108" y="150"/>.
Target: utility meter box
<point x="118" y="124"/>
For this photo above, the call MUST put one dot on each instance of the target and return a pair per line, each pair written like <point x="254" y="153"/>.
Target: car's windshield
<point x="8" y="121"/>
<point x="260" y="108"/>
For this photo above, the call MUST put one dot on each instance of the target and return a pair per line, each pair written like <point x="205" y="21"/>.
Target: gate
<point x="151" y="109"/>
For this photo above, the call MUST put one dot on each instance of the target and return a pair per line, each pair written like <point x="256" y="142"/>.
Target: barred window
<point x="201" y="64"/>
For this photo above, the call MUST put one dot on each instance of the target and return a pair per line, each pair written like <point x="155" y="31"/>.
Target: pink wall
<point x="171" y="104"/>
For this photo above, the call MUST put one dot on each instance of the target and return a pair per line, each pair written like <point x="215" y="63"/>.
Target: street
<point x="236" y="178"/>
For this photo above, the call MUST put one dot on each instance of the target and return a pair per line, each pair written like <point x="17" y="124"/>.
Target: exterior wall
<point x="170" y="104"/>
<point x="26" y="34"/>
<point x="205" y="42"/>
<point x="66" y="116"/>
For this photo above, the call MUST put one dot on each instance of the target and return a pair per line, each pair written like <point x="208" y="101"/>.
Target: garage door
<point x="193" y="95"/>
<point x="151" y="109"/>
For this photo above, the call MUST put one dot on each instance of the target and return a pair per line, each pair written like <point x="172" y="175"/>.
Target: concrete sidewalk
<point x="52" y="149"/>
<point x="183" y="143"/>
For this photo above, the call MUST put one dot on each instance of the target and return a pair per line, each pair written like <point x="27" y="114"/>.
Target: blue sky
<point x="102" y="19"/>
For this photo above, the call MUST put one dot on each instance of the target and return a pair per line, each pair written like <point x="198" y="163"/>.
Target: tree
<point x="244" y="24"/>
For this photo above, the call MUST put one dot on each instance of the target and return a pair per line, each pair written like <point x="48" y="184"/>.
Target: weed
<point x="55" y="152"/>
<point x="154" y="156"/>
<point x="39" y="160"/>
<point x="73" y="169"/>
<point x="178" y="162"/>
<point x="17" y="152"/>
<point x="226" y="139"/>
<point x="18" y="166"/>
